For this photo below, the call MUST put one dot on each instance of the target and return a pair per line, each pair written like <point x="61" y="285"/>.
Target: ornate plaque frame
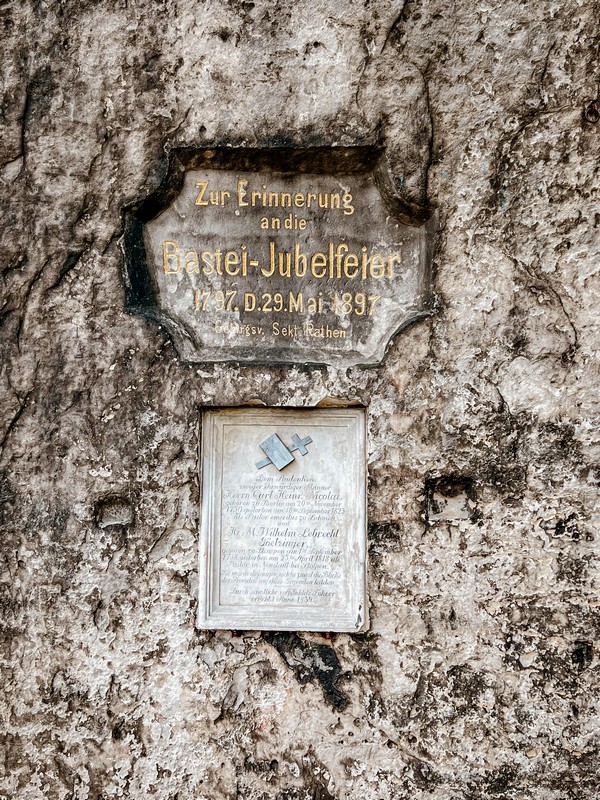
<point x="278" y="256"/>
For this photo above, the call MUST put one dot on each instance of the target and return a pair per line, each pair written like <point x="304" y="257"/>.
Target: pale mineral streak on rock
<point x="479" y="675"/>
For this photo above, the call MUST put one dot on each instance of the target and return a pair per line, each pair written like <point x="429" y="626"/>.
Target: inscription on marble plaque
<point x="276" y="266"/>
<point x="283" y="533"/>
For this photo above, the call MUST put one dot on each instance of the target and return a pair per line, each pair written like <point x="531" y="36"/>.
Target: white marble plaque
<point x="283" y="534"/>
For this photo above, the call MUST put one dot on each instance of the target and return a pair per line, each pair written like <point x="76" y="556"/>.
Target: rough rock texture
<point x="479" y="676"/>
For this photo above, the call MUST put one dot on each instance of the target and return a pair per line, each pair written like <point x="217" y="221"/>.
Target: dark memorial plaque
<point x="283" y="534"/>
<point x="273" y="266"/>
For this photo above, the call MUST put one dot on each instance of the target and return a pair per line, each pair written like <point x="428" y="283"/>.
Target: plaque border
<point x="214" y="616"/>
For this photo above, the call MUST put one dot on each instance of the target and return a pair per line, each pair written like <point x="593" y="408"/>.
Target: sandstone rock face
<point x="478" y="676"/>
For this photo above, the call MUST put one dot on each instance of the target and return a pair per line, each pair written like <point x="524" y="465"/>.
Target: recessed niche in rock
<point x="283" y="536"/>
<point x="281" y="256"/>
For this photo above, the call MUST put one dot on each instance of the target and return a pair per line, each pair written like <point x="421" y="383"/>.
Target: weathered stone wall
<point x="479" y="675"/>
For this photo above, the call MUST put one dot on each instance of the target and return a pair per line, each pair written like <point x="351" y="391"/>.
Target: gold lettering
<point x="171" y="261"/>
<point x="275" y="199"/>
<point x="241" y="192"/>
<point x="295" y="303"/>
<point x="231" y="261"/>
<point x="347" y="204"/>
<point x="391" y="258"/>
<point x="338" y="258"/>
<point x="285" y="271"/>
<point x="264" y="223"/>
<point x="300" y="262"/>
<point x="271" y="269"/>
<point x="216" y="197"/>
<point x="351" y="260"/>
<point x="318" y="260"/>
<point x="334" y="263"/>
<point x="292" y="222"/>
<point x="203" y="185"/>
<point x="377" y="266"/>
<point x="324" y="331"/>
<point x="284" y="330"/>
<point x="364" y="262"/>
<point x="207" y="260"/>
<point x="191" y="262"/>
<point x="331" y="259"/>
